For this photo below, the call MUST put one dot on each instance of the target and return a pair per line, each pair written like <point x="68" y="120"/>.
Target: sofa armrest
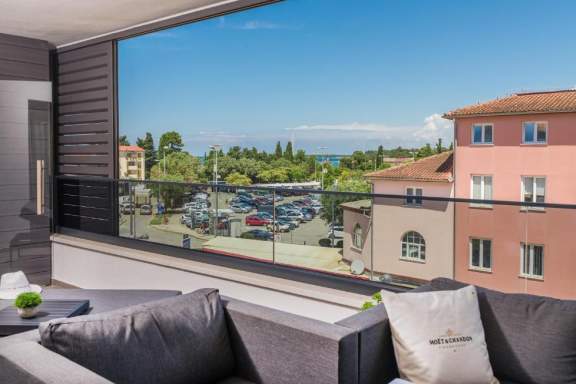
<point x="28" y="362"/>
<point x="272" y="346"/>
<point x="376" y="362"/>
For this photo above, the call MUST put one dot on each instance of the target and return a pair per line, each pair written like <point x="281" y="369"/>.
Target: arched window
<point x="357" y="236"/>
<point x="413" y="246"/>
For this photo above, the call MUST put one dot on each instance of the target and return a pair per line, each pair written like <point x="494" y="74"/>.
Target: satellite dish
<point x="357" y="267"/>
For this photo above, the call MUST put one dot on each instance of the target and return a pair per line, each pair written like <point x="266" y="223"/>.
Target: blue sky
<point x="344" y="74"/>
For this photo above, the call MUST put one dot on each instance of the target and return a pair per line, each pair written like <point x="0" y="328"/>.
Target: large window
<point x="481" y="189"/>
<point x="533" y="189"/>
<point x="535" y="132"/>
<point x="482" y="133"/>
<point x="413" y="247"/>
<point x="532" y="260"/>
<point x="481" y="254"/>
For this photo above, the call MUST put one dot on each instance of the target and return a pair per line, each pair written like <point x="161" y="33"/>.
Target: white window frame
<point x="482" y="191"/>
<point x="483" y="139"/>
<point x="481" y="258"/>
<point x="416" y="199"/>
<point x="357" y="241"/>
<point x="535" y="142"/>
<point x="530" y="274"/>
<point x="522" y="191"/>
<point x="421" y="254"/>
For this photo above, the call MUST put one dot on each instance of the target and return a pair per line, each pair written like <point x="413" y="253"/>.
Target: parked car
<point x="127" y="208"/>
<point x="145" y="210"/>
<point x="257" y="234"/>
<point x="257" y="220"/>
<point x="240" y="208"/>
<point x="308" y="210"/>
<point x="335" y="231"/>
<point x="279" y="226"/>
<point x="286" y="220"/>
<point x="184" y="219"/>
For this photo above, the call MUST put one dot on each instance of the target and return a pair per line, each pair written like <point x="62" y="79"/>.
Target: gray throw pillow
<point x="183" y="339"/>
<point x="531" y="339"/>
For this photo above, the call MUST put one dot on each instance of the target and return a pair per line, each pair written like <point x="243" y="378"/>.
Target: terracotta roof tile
<point x="521" y="103"/>
<point x="433" y="168"/>
<point x="131" y="148"/>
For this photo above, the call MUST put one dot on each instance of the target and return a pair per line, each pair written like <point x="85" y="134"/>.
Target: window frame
<point x="482" y="190"/>
<point x="530" y="274"/>
<point x="416" y="199"/>
<point x="405" y="245"/>
<point x="483" y="136"/>
<point x="355" y="236"/>
<point x="522" y="191"/>
<point x="535" y="142"/>
<point x="480" y="267"/>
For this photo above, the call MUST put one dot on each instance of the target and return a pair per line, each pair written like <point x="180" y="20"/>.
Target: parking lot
<point x="307" y="233"/>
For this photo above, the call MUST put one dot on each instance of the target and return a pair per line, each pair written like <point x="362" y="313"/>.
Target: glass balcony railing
<point x="399" y="240"/>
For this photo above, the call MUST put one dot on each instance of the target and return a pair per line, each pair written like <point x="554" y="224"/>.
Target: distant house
<point x="517" y="148"/>
<point x="132" y="163"/>
<point x="413" y="238"/>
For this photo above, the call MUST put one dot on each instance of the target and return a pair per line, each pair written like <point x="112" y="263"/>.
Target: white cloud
<point x="432" y="128"/>
<point x="435" y="126"/>
<point x="252" y="25"/>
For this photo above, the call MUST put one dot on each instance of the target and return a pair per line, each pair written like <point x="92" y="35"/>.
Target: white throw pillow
<point x="438" y="337"/>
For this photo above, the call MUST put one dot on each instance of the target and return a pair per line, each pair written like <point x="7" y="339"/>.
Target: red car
<point x="257" y="220"/>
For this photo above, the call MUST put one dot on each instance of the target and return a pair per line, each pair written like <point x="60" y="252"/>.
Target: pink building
<point x="413" y="238"/>
<point x="518" y="148"/>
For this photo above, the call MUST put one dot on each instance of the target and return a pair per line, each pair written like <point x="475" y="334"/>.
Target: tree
<point x="439" y="148"/>
<point x="278" y="151"/>
<point x="235" y="152"/>
<point x="288" y="155"/>
<point x="300" y="156"/>
<point x="380" y="156"/>
<point x="277" y="175"/>
<point x="238" y="179"/>
<point x="123" y="140"/>
<point x="331" y="209"/>
<point x="180" y="166"/>
<point x="425" y="151"/>
<point x="149" y="153"/>
<point x="172" y="140"/>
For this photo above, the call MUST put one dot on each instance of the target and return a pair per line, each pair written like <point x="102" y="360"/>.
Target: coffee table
<point x="11" y="322"/>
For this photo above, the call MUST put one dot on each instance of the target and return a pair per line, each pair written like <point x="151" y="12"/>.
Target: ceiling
<point x="62" y="22"/>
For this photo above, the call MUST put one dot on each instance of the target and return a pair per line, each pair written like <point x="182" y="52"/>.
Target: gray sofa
<point x="530" y="339"/>
<point x="269" y="346"/>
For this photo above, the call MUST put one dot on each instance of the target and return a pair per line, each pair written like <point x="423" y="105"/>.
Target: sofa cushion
<point x="182" y="339"/>
<point x="531" y="339"/>
<point x="433" y="332"/>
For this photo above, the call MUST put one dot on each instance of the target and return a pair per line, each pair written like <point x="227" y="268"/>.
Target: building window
<point x="481" y="189"/>
<point x="482" y="133"/>
<point x="413" y="246"/>
<point x="534" y="132"/>
<point x="357" y="236"/>
<point x="414" y="196"/>
<point x="533" y="189"/>
<point x="532" y="260"/>
<point x="481" y="254"/>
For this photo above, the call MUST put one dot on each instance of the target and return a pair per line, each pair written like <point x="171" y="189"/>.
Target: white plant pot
<point x="27" y="313"/>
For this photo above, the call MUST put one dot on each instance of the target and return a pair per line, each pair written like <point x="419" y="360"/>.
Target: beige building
<point x="132" y="162"/>
<point x="413" y="237"/>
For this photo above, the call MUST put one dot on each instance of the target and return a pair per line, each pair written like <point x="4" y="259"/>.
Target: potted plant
<point x="27" y="304"/>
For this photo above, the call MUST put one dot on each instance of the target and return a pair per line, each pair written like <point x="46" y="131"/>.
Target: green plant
<point x="28" y="300"/>
<point x="374" y="301"/>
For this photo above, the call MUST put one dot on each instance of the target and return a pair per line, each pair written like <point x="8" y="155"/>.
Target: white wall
<point x="88" y="268"/>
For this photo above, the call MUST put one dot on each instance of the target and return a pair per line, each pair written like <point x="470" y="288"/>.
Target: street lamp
<point x="322" y="149"/>
<point x="216" y="148"/>
<point x="164" y="153"/>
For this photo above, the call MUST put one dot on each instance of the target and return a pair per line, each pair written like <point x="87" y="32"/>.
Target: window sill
<point x="533" y="209"/>
<point x="412" y="205"/>
<point x="534" y="144"/>
<point x="481" y="144"/>
<point x="413" y="260"/>
<point x="481" y="270"/>
<point x="529" y="277"/>
<point x="481" y="206"/>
